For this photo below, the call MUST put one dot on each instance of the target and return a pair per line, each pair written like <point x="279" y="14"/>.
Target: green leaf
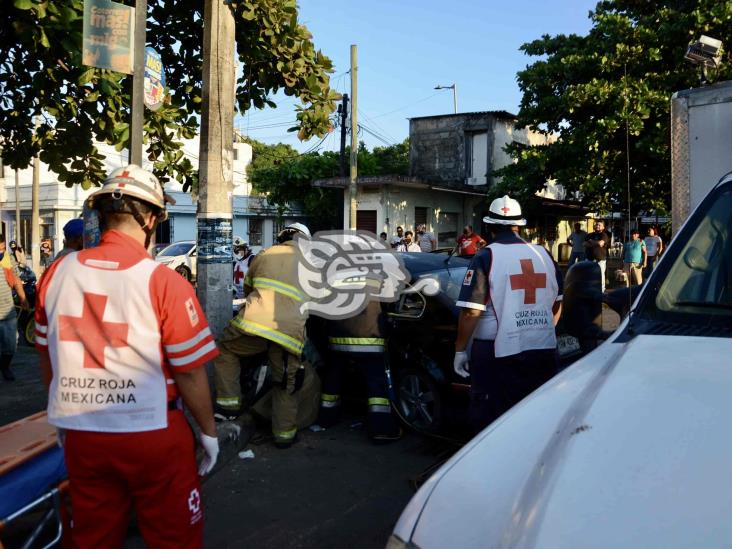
<point x="85" y="77"/>
<point x="23" y="4"/>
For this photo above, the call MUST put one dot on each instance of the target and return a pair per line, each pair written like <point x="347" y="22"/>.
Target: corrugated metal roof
<point x="497" y="114"/>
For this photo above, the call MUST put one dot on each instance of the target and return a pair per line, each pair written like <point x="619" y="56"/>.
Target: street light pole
<point x="452" y="87"/>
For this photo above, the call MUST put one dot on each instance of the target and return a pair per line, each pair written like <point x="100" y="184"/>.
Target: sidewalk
<point x="26" y="395"/>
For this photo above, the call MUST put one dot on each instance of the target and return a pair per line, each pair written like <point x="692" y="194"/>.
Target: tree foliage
<point x="286" y="177"/>
<point x="585" y="89"/>
<point x="41" y="75"/>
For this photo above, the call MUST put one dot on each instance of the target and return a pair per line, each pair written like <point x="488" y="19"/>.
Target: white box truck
<point x="701" y="145"/>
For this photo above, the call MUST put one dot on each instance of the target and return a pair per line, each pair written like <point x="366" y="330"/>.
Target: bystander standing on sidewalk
<point x="18" y="253"/>
<point x="469" y="242"/>
<point x="597" y="244"/>
<point x="8" y="317"/>
<point x="654" y="247"/>
<point x="73" y="238"/>
<point x="577" y="240"/>
<point x="407" y="245"/>
<point x="425" y="239"/>
<point x="634" y="259"/>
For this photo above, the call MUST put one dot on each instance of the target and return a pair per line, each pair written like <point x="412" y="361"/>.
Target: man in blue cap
<point x="73" y="237"/>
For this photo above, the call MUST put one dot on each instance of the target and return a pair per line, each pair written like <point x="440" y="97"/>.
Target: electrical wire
<point x="381" y="130"/>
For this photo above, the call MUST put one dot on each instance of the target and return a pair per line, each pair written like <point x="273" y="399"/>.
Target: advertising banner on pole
<point x="108" y="35"/>
<point x="154" y="80"/>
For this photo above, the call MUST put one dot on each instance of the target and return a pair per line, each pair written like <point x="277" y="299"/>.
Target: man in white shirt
<point x="396" y="240"/>
<point x="654" y="247"/>
<point x="407" y="245"/>
<point x="426" y="240"/>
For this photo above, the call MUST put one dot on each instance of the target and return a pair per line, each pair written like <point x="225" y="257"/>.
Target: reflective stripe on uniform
<point x="284" y="435"/>
<point x="357" y="348"/>
<point x="356" y="344"/>
<point x="254" y="328"/>
<point x="228" y="402"/>
<point x="329" y="401"/>
<point x="379" y="405"/>
<point x="357" y="340"/>
<point x="279" y="287"/>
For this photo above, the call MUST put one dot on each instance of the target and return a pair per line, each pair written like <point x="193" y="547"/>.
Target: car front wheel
<point x="418" y="401"/>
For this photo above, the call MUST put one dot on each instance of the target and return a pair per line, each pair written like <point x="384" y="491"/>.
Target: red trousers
<point x="154" y="471"/>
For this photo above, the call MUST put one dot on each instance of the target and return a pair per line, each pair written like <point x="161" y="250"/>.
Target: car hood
<point x="627" y="447"/>
<point x="167" y="258"/>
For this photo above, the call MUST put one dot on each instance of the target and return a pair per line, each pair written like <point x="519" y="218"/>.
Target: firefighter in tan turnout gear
<point x="270" y="321"/>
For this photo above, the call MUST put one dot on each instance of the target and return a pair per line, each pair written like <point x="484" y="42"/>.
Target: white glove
<point x="211" y="449"/>
<point x="460" y="364"/>
<point x="60" y="437"/>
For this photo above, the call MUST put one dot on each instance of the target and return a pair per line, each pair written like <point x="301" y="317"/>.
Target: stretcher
<point x="32" y="478"/>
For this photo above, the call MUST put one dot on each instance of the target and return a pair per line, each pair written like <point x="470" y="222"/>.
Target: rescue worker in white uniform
<point x="270" y="321"/>
<point x="122" y="340"/>
<point x="510" y="303"/>
<point x="242" y="260"/>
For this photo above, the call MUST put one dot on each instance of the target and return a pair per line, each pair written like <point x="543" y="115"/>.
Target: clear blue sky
<point x="407" y="47"/>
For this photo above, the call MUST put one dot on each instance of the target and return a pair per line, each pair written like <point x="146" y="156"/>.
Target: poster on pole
<point x="108" y="35"/>
<point x="154" y="95"/>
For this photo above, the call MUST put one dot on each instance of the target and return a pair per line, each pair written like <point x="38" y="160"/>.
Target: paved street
<point x="332" y="489"/>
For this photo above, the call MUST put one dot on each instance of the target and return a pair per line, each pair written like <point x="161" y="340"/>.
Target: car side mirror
<point x="410" y="306"/>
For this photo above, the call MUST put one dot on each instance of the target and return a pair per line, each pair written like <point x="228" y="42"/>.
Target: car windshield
<point x="698" y="285"/>
<point x="450" y="279"/>
<point x="179" y="248"/>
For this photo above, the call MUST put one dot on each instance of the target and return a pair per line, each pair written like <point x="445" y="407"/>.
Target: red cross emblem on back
<point x="505" y="210"/>
<point x="528" y="281"/>
<point x="92" y="331"/>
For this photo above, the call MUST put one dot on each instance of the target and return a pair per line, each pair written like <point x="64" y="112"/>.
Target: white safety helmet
<point x="505" y="211"/>
<point x="288" y="233"/>
<point x="137" y="183"/>
<point x="239" y="242"/>
<point x="299" y="227"/>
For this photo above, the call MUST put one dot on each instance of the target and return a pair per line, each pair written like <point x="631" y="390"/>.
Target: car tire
<point x="185" y="272"/>
<point x="418" y="401"/>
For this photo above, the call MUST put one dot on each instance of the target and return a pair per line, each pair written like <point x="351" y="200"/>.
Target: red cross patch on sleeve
<point x="468" y="277"/>
<point x="191" y="310"/>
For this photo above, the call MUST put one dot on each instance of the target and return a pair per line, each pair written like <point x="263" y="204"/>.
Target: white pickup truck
<point x="629" y="446"/>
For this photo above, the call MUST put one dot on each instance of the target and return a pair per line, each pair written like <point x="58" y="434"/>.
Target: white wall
<point x="395" y="207"/>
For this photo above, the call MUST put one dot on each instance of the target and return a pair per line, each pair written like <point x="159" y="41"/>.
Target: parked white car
<point x="627" y="447"/>
<point x="181" y="257"/>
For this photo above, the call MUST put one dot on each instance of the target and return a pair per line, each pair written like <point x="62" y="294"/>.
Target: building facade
<point x="254" y="220"/>
<point x="452" y="158"/>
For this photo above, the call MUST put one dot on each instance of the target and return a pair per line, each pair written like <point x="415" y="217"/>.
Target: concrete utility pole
<point x="35" y="214"/>
<point x="343" y="112"/>
<point x="354" y="137"/>
<point x="138" y="83"/>
<point x="215" y="171"/>
<point x="17" y="210"/>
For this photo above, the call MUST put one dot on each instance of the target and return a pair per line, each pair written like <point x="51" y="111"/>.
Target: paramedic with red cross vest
<point x="510" y="302"/>
<point x="122" y="341"/>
